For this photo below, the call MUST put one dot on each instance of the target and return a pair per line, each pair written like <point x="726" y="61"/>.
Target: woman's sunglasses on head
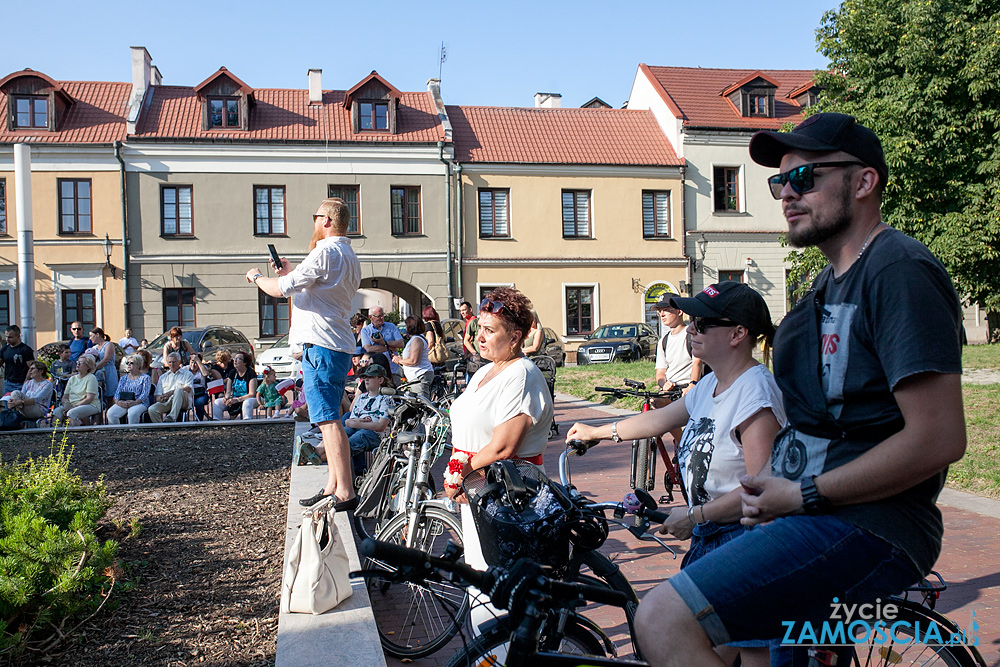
<point x="802" y="178"/>
<point x="488" y="306"/>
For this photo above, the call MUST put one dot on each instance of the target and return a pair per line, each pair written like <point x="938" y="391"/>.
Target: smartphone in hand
<point x="275" y="260"/>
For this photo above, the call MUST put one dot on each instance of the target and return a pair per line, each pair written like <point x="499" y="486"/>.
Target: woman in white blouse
<point x="35" y="397"/>
<point x="416" y="364"/>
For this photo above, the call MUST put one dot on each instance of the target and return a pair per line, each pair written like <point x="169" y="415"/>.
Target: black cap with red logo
<point x="729" y="300"/>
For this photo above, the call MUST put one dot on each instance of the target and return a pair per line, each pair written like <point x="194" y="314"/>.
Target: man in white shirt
<point x="128" y="344"/>
<point x="173" y="391"/>
<point x="323" y="287"/>
<point x="674" y="363"/>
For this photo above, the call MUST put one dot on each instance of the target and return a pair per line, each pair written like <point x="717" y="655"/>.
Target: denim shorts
<point x="324" y="372"/>
<point x="789" y="570"/>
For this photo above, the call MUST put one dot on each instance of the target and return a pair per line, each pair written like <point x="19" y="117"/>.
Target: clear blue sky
<point x="499" y="53"/>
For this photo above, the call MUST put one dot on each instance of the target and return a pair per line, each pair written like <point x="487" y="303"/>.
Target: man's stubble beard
<point x="824" y="227"/>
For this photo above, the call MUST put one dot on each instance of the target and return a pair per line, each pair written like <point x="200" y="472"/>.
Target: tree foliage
<point x="923" y="74"/>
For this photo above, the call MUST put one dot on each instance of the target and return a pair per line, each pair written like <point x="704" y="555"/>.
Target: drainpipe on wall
<point x="447" y="222"/>
<point x="121" y="171"/>
<point x="25" y="243"/>
<point x="461" y="230"/>
<point x="690" y="271"/>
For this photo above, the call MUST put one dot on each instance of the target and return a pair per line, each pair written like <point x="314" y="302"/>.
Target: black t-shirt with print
<point x="15" y="361"/>
<point x="839" y="354"/>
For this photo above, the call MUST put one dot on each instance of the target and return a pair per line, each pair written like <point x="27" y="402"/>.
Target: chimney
<point x="143" y="74"/>
<point x="315" y="86"/>
<point x="141" y="63"/>
<point x="155" y="77"/>
<point x="548" y="100"/>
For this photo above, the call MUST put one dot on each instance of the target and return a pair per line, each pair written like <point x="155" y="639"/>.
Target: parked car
<point x="279" y="357"/>
<point x="630" y="341"/>
<point x="553" y="347"/>
<point x="208" y="340"/>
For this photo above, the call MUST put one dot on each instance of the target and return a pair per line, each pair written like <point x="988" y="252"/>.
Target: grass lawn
<point x="978" y="472"/>
<point x="981" y="356"/>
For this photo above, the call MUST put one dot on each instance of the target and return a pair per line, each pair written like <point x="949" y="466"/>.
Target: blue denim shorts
<point x="324" y="372"/>
<point x="789" y="570"/>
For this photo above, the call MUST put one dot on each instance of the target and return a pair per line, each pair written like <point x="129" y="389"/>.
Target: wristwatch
<point x="259" y="275"/>
<point x="813" y="502"/>
<point x="614" y="432"/>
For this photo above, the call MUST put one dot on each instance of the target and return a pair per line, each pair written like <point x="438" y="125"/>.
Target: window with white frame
<point x="576" y="214"/>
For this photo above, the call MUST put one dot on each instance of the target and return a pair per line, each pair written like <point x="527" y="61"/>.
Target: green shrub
<point x="53" y="568"/>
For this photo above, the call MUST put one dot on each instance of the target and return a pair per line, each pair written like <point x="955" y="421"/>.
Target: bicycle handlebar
<point x="418" y="565"/>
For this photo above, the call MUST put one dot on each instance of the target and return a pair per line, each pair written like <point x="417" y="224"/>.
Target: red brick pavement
<point x="969" y="562"/>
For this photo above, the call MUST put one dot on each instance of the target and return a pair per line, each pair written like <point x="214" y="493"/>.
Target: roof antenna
<point x="443" y="55"/>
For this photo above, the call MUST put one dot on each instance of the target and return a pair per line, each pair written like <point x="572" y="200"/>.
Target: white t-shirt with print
<point x="518" y="389"/>
<point x="375" y="407"/>
<point x="710" y="455"/>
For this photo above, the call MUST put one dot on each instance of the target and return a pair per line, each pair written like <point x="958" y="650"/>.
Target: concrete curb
<point x="342" y="636"/>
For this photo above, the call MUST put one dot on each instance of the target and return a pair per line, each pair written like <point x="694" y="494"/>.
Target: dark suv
<point x="208" y="340"/>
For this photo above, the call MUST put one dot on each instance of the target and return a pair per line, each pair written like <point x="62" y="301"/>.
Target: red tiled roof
<point x="97" y="116"/>
<point x="285" y="115"/>
<point x="695" y="94"/>
<point x="559" y="136"/>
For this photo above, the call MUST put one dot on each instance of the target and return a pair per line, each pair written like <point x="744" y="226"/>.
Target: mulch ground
<point x="206" y="565"/>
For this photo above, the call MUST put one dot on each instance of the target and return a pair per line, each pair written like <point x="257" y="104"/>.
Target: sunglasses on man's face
<point x="703" y="324"/>
<point x="488" y="306"/>
<point x="802" y="178"/>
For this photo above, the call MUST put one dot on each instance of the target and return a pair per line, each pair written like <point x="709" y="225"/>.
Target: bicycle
<point x="643" y="470"/>
<point x="586" y="565"/>
<point x="532" y="597"/>
<point x="398" y="506"/>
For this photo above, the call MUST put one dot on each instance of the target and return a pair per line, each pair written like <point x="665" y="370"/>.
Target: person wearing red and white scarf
<point x="505" y="411"/>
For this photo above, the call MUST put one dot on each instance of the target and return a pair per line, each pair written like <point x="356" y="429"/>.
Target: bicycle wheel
<point x="902" y="645"/>
<point x="642" y="451"/>
<point x="414" y="620"/>
<point x="490" y="648"/>
<point x="379" y="502"/>
<point x="594" y="568"/>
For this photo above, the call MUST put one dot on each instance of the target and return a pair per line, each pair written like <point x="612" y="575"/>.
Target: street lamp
<point x="702" y="244"/>
<point x="374" y="283"/>
<point x="108" y="248"/>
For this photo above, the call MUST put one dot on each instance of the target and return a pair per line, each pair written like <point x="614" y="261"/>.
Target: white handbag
<point x="317" y="574"/>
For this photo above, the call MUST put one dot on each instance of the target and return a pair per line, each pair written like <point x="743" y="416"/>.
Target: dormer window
<point x="31" y="111"/>
<point x="34" y="101"/>
<point x="373" y="115"/>
<point x="226" y="102"/>
<point x="753" y="96"/>
<point x="224" y="112"/>
<point x="373" y="104"/>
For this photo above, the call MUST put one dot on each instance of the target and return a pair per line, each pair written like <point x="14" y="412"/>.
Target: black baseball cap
<point x="732" y="301"/>
<point x="664" y="300"/>
<point x="821" y="133"/>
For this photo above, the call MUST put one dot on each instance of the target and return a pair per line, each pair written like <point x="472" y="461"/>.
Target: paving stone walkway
<point x="970" y="561"/>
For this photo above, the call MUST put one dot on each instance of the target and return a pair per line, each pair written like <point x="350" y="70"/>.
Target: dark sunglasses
<point x="487" y="306"/>
<point x="801" y="178"/>
<point x="703" y="324"/>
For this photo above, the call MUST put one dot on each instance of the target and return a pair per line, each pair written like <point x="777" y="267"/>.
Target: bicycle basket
<point x="520" y="513"/>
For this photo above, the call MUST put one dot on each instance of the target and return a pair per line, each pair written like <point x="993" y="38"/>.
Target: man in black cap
<point x="875" y="416"/>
